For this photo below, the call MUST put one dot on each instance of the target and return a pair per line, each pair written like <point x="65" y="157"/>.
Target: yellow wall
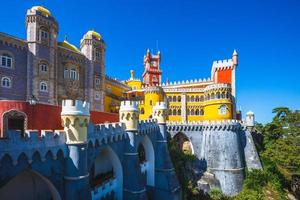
<point x="150" y="101"/>
<point x="134" y="83"/>
<point x="113" y="95"/>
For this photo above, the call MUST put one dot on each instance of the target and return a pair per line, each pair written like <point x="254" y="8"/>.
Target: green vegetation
<point x="280" y="155"/>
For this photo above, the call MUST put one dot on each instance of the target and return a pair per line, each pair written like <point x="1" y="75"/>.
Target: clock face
<point x="153" y="63"/>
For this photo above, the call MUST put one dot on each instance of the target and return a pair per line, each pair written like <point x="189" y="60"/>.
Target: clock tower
<point x="152" y="72"/>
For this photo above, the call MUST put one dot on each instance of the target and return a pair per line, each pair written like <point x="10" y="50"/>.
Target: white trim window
<point x="97" y="54"/>
<point x="43" y="86"/>
<point x="74" y="75"/>
<point x="97" y="81"/>
<point x="43" y="67"/>
<point x="66" y="73"/>
<point x="223" y="110"/>
<point x="6" y="82"/>
<point x="97" y="96"/>
<point x="6" y="61"/>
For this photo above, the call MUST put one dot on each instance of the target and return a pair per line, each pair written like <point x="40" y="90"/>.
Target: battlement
<point x="31" y="143"/>
<point x="129" y="106"/>
<point x="186" y="82"/>
<point x="153" y="89"/>
<point x="160" y="106"/>
<point x="77" y="107"/>
<point x="229" y="125"/>
<point x="223" y="63"/>
<point x="147" y="126"/>
<point x="217" y="86"/>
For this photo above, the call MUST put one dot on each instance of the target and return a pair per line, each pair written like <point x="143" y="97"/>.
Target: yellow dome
<point x="41" y="9"/>
<point x="94" y="34"/>
<point x="67" y="45"/>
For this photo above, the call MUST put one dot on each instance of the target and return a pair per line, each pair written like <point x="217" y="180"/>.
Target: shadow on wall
<point x="36" y="187"/>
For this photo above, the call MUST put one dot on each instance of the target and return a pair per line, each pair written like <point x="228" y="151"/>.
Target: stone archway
<point x="147" y="160"/>
<point x="184" y="143"/>
<point x="107" y="175"/>
<point x="29" y="185"/>
<point x="14" y="120"/>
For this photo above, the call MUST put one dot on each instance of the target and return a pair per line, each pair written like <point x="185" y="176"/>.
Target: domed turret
<point x="129" y="114"/>
<point x="44" y="11"/>
<point x="160" y="112"/>
<point x="68" y="45"/>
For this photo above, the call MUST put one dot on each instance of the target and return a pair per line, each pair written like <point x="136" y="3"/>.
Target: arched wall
<point x="107" y="156"/>
<point x="37" y="186"/>
<point x="150" y="157"/>
<point x="181" y="134"/>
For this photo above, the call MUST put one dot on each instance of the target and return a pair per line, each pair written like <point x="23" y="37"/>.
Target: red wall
<point x="225" y="76"/>
<point x="47" y="117"/>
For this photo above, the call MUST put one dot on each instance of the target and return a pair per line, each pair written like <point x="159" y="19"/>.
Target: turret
<point x="129" y="114"/>
<point x="42" y="31"/>
<point x="250" y="120"/>
<point x="160" y="112"/>
<point x="93" y="47"/>
<point x="132" y="74"/>
<point x="235" y="58"/>
<point x="75" y="117"/>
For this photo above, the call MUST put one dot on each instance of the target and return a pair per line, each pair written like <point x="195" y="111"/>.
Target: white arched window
<point x="43" y="67"/>
<point x="6" y="61"/>
<point x="43" y="87"/>
<point x="6" y="82"/>
<point x="97" y="80"/>
<point x="223" y="110"/>
<point x="66" y="73"/>
<point x="73" y="74"/>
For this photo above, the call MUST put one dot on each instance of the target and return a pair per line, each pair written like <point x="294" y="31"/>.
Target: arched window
<point x="201" y="98"/>
<point x="174" y="111"/>
<point x="223" y="110"/>
<point x="6" y="82"/>
<point x="223" y="95"/>
<point x="201" y="111"/>
<point x="197" y="112"/>
<point x="187" y="98"/>
<point x="43" y="87"/>
<point x="44" y="35"/>
<point x="174" y="98"/>
<point x="43" y="67"/>
<point x="179" y="98"/>
<point x="66" y="74"/>
<point x="6" y="60"/>
<point x="170" y="112"/>
<point x="218" y="95"/>
<point x="197" y="99"/>
<point x="142" y="111"/>
<point x="150" y="102"/>
<point x="192" y="112"/>
<point x="208" y="97"/>
<point x="212" y="96"/>
<point x="179" y="112"/>
<point x="227" y="95"/>
<point x="97" y="81"/>
<point x="169" y="98"/>
<point x="74" y="75"/>
<point x="192" y="98"/>
<point x="97" y="54"/>
<point x="188" y="111"/>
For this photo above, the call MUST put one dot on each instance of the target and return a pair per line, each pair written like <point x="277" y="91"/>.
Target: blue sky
<point x="190" y="35"/>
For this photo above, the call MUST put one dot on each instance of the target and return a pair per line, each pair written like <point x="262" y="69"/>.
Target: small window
<point x="43" y="67"/>
<point x="142" y="111"/>
<point x="150" y="103"/>
<point x="133" y="87"/>
<point x="97" y="54"/>
<point x="97" y="81"/>
<point x="6" y="82"/>
<point x="43" y="87"/>
<point x="74" y="75"/>
<point x="97" y="96"/>
<point x="223" y="110"/>
<point x="154" y="78"/>
<point x="66" y="73"/>
<point x="6" y="61"/>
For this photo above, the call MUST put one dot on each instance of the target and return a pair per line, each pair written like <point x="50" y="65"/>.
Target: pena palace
<point x="39" y="72"/>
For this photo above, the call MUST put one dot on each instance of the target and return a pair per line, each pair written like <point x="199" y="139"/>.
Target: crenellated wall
<point x="223" y="147"/>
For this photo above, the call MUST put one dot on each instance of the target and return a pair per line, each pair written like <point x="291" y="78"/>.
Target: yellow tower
<point x="153" y="94"/>
<point x="129" y="115"/>
<point x="217" y="102"/>
<point x="75" y="117"/>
